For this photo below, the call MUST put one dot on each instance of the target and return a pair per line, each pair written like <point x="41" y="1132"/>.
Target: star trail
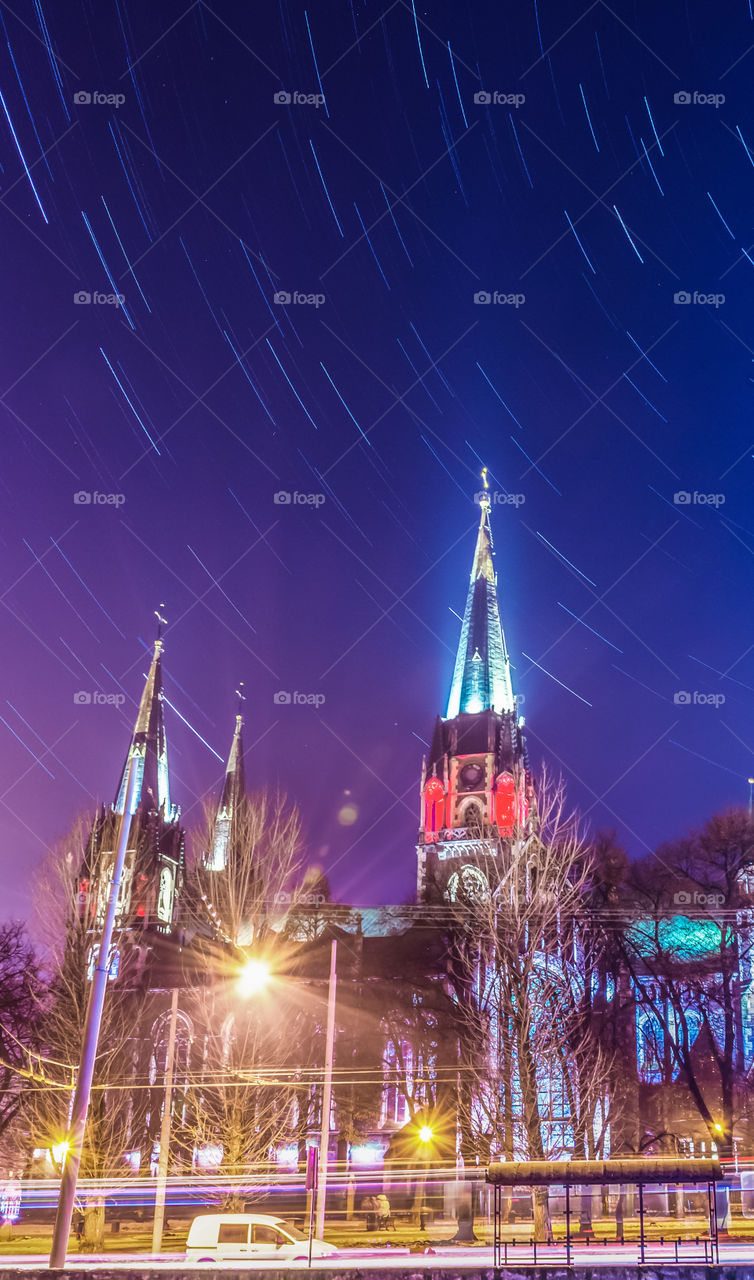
<point x="278" y="281"/>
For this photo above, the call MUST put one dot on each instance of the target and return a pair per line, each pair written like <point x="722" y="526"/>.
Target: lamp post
<point x="82" y="1095"/>
<point x="162" y="1167"/>
<point x="324" y="1140"/>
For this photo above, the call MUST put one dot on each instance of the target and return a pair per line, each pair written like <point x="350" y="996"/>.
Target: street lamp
<point x="60" y="1151"/>
<point x="253" y="978"/>
<point x="425" y="1134"/>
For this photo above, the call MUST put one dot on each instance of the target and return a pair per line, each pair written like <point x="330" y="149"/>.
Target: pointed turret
<point x="149" y="748"/>
<point x="482" y="677"/>
<point x="234" y="789"/>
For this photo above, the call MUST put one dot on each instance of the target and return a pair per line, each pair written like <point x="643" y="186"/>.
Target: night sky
<point x="386" y="204"/>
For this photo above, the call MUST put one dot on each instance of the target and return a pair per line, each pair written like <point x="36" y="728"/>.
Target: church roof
<point x="149" y="749"/>
<point x="482" y="678"/>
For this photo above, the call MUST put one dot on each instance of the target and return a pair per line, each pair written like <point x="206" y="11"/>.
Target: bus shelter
<point x="634" y="1181"/>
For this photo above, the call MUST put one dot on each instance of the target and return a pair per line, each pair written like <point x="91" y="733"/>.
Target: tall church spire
<point x="149" y="748"/>
<point x="234" y="789"/>
<point x="482" y="678"/>
<point x="476" y="788"/>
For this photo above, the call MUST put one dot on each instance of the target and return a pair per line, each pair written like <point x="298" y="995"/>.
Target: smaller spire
<point x="234" y="789"/>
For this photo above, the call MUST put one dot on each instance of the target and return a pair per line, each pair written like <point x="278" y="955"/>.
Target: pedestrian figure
<point x="383" y="1212"/>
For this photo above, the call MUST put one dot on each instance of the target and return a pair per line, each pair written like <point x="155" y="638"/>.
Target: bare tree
<point x="533" y="1079"/>
<point x="116" y="1120"/>
<point x="243" y="903"/>
<point x="688" y="945"/>
<point x="22" y="996"/>
<point x="241" y="1090"/>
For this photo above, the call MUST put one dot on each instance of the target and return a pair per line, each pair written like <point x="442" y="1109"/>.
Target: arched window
<point x="649" y="1047"/>
<point x="184" y="1037"/>
<point x="505" y="804"/>
<point x="472" y="817"/>
<point x="398" y="1068"/>
<point x="434" y="806"/>
<point x="165" y="900"/>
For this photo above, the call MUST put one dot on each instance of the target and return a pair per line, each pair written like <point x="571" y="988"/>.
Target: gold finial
<point x="484" y="477"/>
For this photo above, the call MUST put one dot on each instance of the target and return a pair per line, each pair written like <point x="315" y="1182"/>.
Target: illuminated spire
<point x="234" y="789"/>
<point x="482" y="678"/>
<point x="235" y="782"/>
<point x="149" y="748"/>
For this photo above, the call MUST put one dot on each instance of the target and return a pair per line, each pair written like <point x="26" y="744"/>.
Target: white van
<point x="244" y="1237"/>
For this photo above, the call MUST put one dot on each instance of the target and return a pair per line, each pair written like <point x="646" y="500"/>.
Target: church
<point x="401" y="1024"/>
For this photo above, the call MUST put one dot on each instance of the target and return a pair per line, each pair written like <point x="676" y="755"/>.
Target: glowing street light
<point x="425" y="1134"/>
<point x="60" y="1150"/>
<point x="253" y="978"/>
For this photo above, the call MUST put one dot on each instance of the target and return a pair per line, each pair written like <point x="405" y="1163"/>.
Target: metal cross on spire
<point x="161" y="621"/>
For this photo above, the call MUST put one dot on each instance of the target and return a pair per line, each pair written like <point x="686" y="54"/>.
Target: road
<point x="393" y="1259"/>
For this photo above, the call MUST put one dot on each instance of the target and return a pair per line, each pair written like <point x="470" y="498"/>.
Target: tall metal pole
<point x="162" y="1167"/>
<point x="82" y="1094"/>
<point x="324" y="1140"/>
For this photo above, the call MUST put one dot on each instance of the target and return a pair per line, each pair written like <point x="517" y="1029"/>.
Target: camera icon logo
<point x="82" y="297"/>
<point x="682" y="698"/>
<point x="682" y="898"/>
<point x="282" y="698"/>
<point x="282" y="98"/>
<point x="282" y="498"/>
<point x="682" y="98"/>
<point x="682" y="498"/>
<point x="82" y="98"/>
<point x="82" y="698"/>
<point x="482" y="98"/>
<point x="82" y="498"/>
<point x="282" y="298"/>
<point x="482" y="298"/>
<point x="682" y="298"/>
